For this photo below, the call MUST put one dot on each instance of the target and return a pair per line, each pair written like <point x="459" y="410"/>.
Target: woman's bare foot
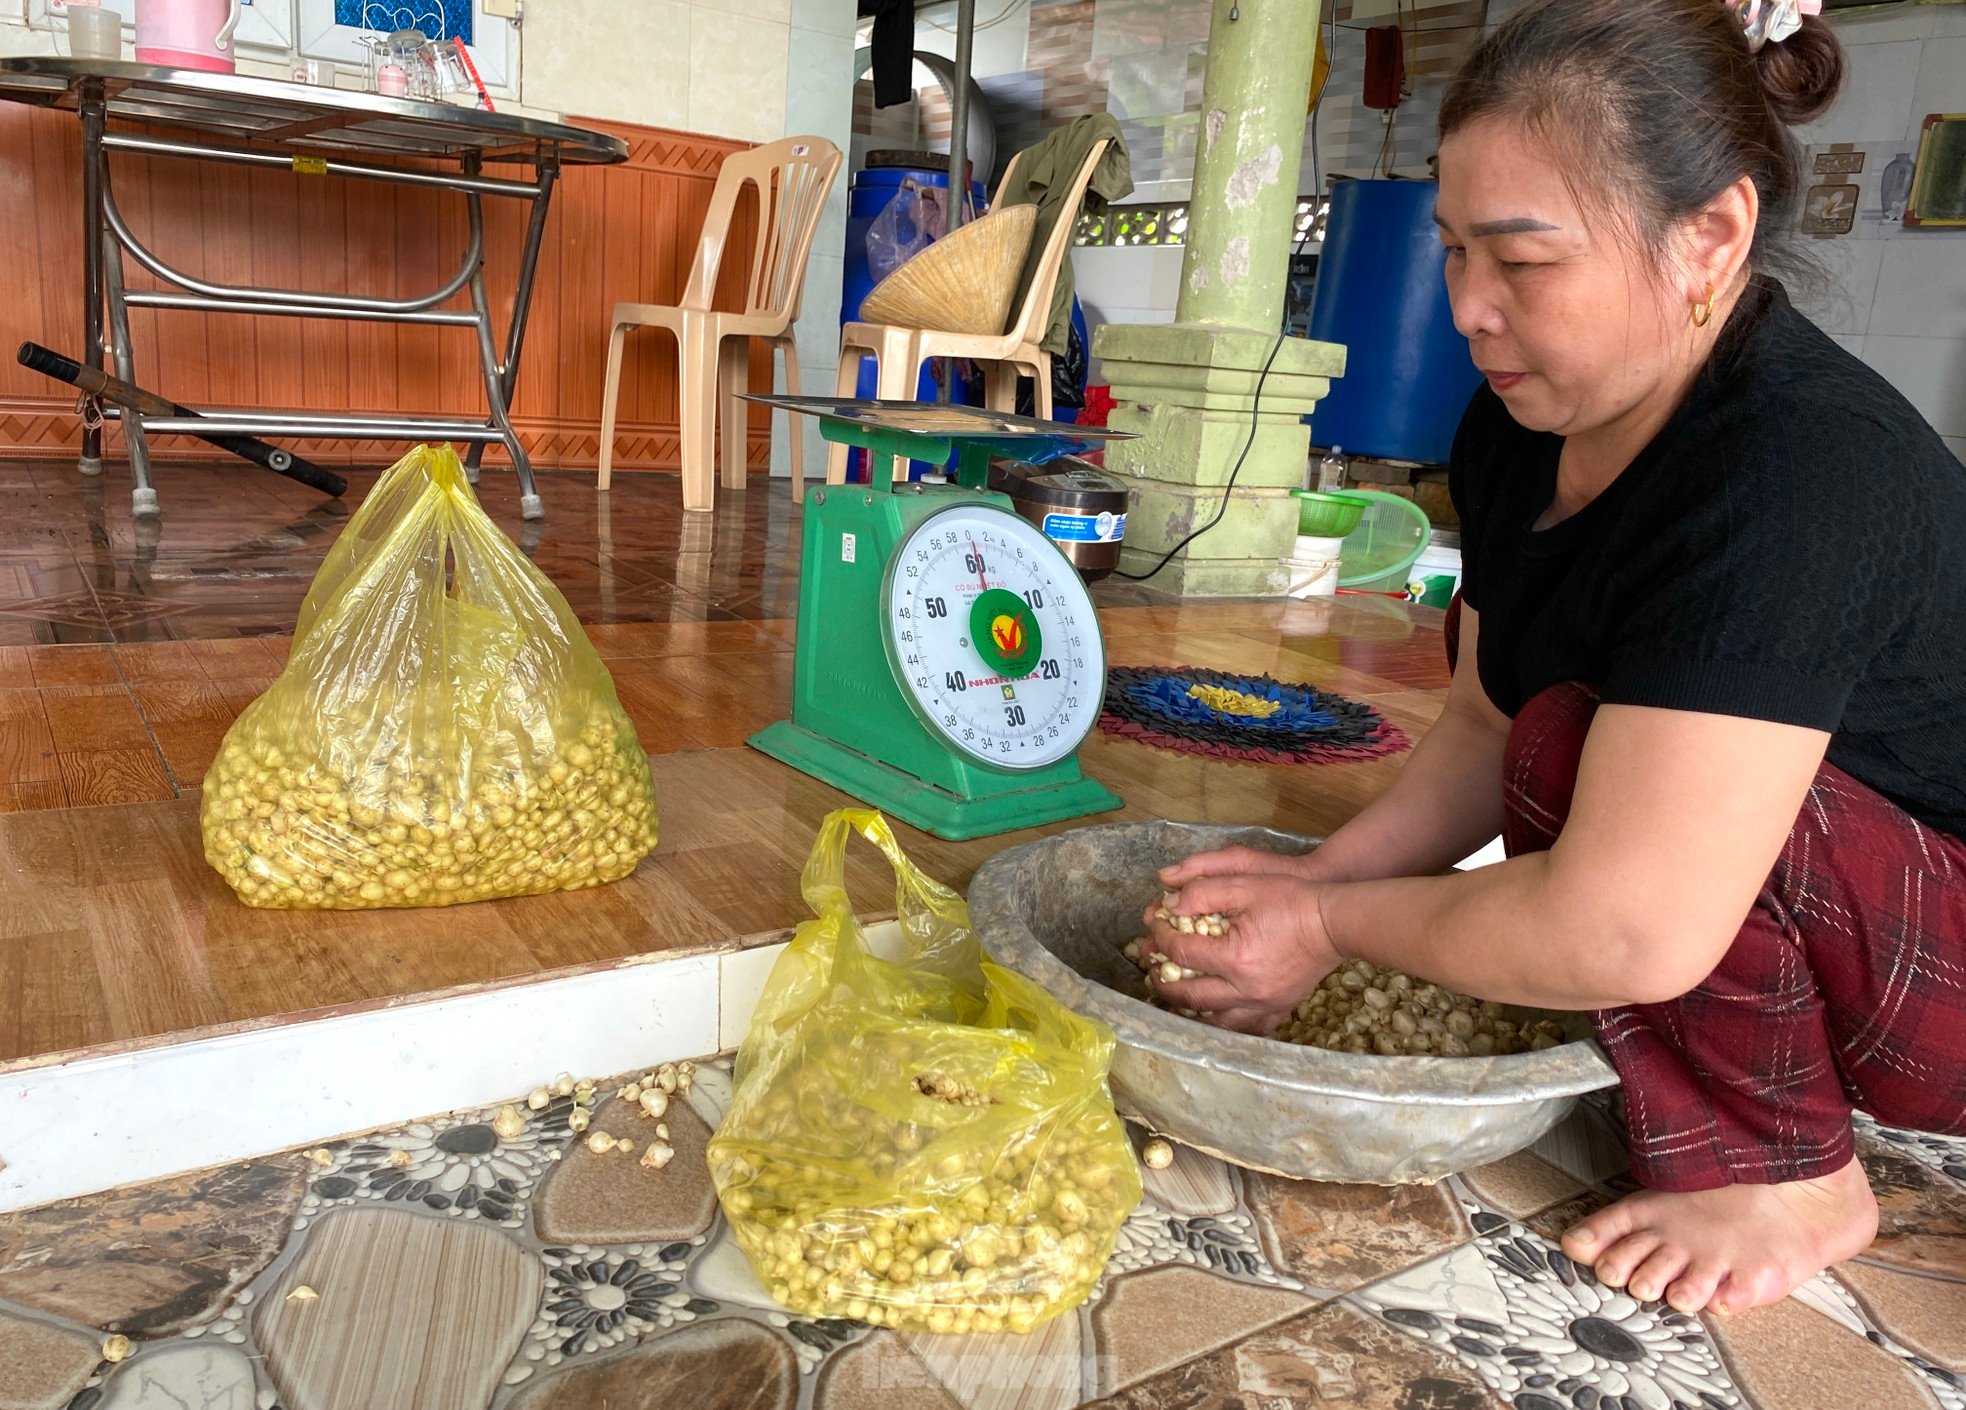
<point x="1732" y="1248"/>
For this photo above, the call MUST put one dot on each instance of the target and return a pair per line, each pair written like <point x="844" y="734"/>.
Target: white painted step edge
<point x="156" y="1109"/>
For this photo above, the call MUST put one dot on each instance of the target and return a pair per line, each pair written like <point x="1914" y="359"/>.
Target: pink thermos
<point x="187" y="34"/>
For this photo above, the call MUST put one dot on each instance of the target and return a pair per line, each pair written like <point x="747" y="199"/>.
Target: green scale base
<point x="1021" y="803"/>
<point x="851" y="725"/>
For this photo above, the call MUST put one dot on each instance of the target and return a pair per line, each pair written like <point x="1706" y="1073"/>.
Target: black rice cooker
<point x="1078" y="506"/>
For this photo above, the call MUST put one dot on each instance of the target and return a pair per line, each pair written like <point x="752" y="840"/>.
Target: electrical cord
<point x="1256" y="401"/>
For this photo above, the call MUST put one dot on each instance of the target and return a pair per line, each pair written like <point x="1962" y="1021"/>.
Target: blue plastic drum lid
<point x="1382" y="292"/>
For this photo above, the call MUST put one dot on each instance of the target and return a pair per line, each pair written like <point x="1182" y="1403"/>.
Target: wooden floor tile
<point x="98" y="777"/>
<point x="72" y="665"/>
<point x="179" y="701"/>
<point x="26" y="797"/>
<point x="159" y="661"/>
<point x="94" y="717"/>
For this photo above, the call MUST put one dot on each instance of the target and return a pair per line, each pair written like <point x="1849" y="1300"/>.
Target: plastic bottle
<point x="1331" y="470"/>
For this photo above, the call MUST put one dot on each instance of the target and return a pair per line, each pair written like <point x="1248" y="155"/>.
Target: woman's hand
<point x="1238" y="861"/>
<point x="1276" y="951"/>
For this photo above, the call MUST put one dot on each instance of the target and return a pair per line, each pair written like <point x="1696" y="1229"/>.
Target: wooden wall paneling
<point x="323" y="264"/>
<point x="620" y="232"/>
<point x="279" y="343"/>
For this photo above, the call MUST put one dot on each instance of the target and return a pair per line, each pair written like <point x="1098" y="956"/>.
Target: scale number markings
<point x="1017" y="681"/>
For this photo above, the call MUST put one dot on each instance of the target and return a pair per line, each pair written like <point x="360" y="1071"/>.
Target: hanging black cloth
<point x="893" y="45"/>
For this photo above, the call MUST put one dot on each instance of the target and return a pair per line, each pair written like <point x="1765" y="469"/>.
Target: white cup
<point x="94" y="33"/>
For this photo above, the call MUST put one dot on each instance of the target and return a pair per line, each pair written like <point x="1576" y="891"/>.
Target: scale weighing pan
<point x="949" y="662"/>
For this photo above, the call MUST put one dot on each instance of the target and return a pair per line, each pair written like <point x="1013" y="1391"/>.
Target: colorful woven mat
<point x="1243" y="717"/>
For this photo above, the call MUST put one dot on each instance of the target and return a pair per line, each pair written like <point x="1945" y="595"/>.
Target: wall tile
<point x="1921" y="287"/>
<point x="737" y="76"/>
<point x="17" y="41"/>
<point x="1876" y="101"/>
<point x="1851" y="266"/>
<point x="1931" y="372"/>
<point x="819" y="88"/>
<point x="999" y="49"/>
<point x="1853" y="346"/>
<point x="825" y="16"/>
<point x="1941" y="80"/>
<point x="1957" y="445"/>
<point x="1887" y="26"/>
<point x="591" y="58"/>
<point x="774" y="11"/>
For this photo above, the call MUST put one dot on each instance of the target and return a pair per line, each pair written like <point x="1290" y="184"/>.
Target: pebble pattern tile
<point x="1227" y="1289"/>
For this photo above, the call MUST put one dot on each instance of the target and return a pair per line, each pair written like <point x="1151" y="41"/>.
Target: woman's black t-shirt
<point x="1791" y="547"/>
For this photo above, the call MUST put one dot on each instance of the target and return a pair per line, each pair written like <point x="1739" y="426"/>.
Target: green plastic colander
<point x="1390" y="536"/>
<point x="1329" y="514"/>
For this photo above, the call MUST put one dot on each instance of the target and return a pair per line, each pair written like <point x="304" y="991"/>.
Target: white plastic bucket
<point x="1312" y="549"/>
<point x="1311" y="577"/>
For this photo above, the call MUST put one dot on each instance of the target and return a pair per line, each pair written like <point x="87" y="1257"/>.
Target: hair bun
<point x="1803" y="74"/>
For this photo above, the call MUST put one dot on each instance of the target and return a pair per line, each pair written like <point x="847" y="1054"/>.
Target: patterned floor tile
<point x="725" y="1365"/>
<point x="193" y="1376"/>
<point x="1788" y="1356"/>
<point x="614" y="1198"/>
<point x="1921" y="1207"/>
<point x="1336" y="1237"/>
<point x="1041" y="1370"/>
<point x="410" y="1312"/>
<point x="42" y="1365"/>
<point x="1925" y="1315"/>
<point x="880" y="1373"/>
<point x="150" y="1259"/>
<point x="456" y="1165"/>
<point x="1522" y="1185"/>
<point x="598" y="1298"/>
<point x="1538" y="1329"/>
<point x="1333" y="1356"/>
<point x="1151" y="1321"/>
<point x="1195" y="1184"/>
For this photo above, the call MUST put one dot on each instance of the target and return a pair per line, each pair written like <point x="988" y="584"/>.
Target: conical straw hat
<point x="963" y="283"/>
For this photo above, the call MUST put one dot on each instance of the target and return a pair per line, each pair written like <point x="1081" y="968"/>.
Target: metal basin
<point x="1058" y="911"/>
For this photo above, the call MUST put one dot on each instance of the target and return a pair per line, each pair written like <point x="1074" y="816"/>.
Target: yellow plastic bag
<point x="925" y="1142"/>
<point x="443" y="730"/>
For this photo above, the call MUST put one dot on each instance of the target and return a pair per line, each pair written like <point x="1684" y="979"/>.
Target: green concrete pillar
<point x="1188" y="388"/>
<point x="1244" y="202"/>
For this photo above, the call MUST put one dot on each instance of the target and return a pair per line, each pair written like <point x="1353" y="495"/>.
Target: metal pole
<point x="92" y="106"/>
<point x="515" y="336"/>
<point x="959" y="114"/>
<point x="958" y="152"/>
<point x="530" y="506"/>
<point x="143" y="498"/>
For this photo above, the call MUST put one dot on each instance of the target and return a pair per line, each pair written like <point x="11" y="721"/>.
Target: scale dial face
<point x="993" y="638"/>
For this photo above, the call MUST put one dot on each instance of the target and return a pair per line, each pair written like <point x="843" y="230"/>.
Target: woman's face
<point x="1572" y="328"/>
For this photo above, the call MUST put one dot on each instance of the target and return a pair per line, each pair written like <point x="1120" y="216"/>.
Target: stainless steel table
<point x="313" y="131"/>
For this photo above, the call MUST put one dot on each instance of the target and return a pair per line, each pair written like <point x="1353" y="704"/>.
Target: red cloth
<point x="1846" y="986"/>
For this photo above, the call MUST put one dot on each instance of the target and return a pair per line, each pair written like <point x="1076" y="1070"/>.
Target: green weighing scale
<point x="949" y="662"/>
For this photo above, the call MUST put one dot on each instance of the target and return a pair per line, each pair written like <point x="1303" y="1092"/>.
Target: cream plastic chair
<point x="793" y="177"/>
<point x="899" y="351"/>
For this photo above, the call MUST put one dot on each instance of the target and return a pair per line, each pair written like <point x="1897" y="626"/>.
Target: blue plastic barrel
<point x="1381" y="291"/>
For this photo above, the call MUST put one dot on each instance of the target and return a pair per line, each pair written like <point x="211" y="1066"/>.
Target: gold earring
<point x="1704" y="311"/>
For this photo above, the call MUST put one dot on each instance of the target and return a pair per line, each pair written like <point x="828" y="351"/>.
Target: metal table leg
<point x="92" y="108"/>
<point x="529" y="502"/>
<point x="515" y="337"/>
<point x="143" y="499"/>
